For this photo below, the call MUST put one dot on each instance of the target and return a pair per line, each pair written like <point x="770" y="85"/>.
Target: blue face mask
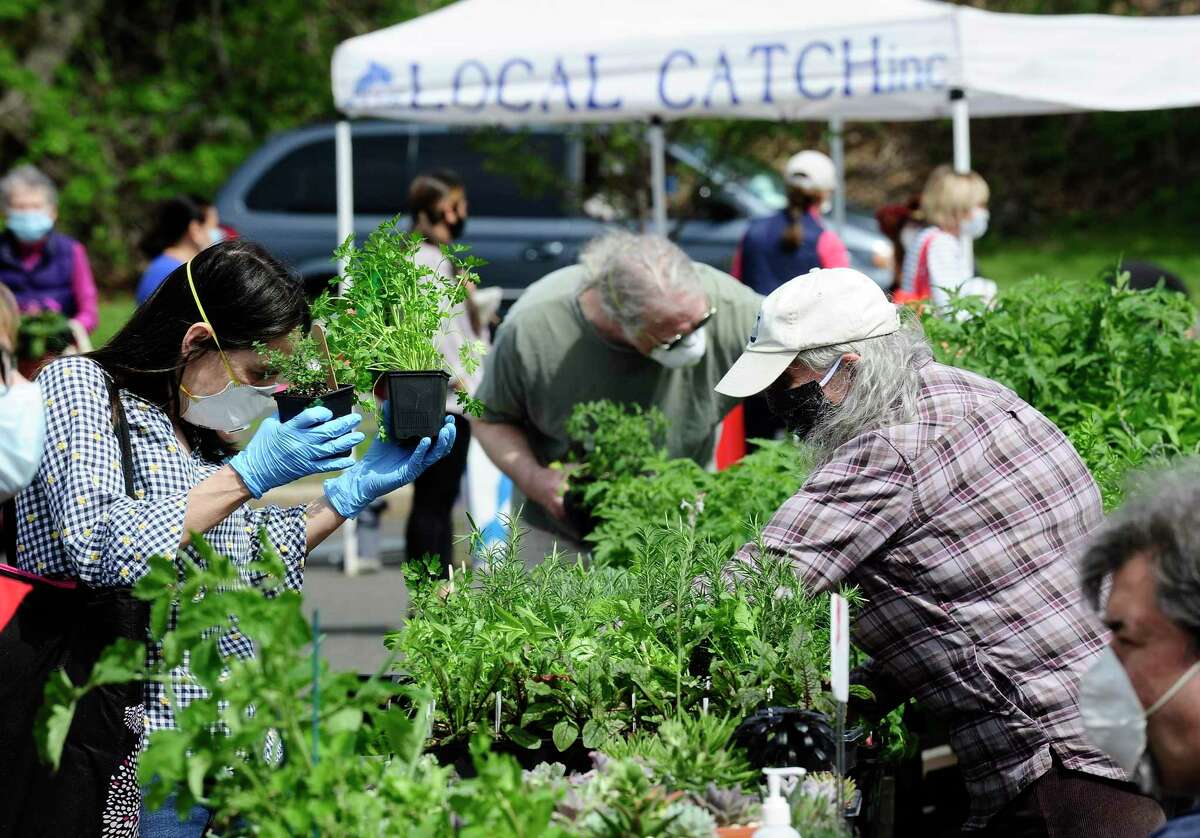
<point x="29" y="225"/>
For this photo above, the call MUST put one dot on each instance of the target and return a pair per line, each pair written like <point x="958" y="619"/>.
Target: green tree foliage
<point x="126" y="103"/>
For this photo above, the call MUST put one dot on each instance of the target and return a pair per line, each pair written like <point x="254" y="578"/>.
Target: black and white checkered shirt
<point x="76" y="521"/>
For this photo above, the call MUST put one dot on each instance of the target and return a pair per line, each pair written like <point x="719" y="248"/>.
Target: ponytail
<point x="800" y="202"/>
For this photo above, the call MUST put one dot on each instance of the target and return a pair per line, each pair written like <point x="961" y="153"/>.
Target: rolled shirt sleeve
<point x="105" y="536"/>
<point x="845" y="512"/>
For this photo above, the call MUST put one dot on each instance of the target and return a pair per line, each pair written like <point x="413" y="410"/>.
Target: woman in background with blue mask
<point x="44" y="269"/>
<point x="182" y="227"/>
<point x="185" y="374"/>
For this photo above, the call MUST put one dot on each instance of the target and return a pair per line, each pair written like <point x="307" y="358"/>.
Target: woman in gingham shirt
<point x="187" y="374"/>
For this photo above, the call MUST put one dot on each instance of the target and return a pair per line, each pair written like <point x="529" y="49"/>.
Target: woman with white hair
<point x="44" y="269"/>
<point x="953" y="204"/>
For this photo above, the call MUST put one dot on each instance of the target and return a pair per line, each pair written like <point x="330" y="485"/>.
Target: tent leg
<point x="344" y="168"/>
<point x="837" y="148"/>
<point x="658" y="176"/>
<point x="961" y="122"/>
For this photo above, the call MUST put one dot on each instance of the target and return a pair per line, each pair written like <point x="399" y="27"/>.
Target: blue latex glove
<point x="385" y="468"/>
<point x="308" y="443"/>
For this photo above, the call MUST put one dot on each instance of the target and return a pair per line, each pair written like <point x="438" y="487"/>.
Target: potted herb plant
<point x="310" y="376"/>
<point x="386" y="322"/>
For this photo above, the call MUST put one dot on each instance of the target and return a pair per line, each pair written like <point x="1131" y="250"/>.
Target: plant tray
<point x="339" y="401"/>
<point x="418" y="403"/>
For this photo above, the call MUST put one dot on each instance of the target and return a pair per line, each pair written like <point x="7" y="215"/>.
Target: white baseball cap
<point x="823" y="307"/>
<point x="811" y="170"/>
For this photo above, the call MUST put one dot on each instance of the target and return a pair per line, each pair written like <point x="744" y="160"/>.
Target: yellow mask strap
<point x="204" y="317"/>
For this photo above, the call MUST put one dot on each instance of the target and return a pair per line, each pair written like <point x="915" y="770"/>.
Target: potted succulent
<point x="386" y="321"/>
<point x="311" y="378"/>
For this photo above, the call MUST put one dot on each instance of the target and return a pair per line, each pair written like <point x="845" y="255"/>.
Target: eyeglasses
<point x="667" y="346"/>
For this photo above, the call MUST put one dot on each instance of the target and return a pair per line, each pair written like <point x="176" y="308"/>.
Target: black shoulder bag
<point x="63" y="626"/>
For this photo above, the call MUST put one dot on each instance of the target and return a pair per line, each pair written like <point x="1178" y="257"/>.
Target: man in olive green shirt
<point x="635" y="321"/>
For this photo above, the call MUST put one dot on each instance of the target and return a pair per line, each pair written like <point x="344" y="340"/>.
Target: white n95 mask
<point x="687" y="353"/>
<point x="233" y="409"/>
<point x="1113" y="717"/>
<point x="22" y="435"/>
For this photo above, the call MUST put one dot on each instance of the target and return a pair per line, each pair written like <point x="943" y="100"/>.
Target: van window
<point x="507" y="175"/>
<point x="304" y="179"/>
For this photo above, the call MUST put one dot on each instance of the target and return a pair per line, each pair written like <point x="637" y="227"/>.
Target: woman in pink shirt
<point x="44" y="269"/>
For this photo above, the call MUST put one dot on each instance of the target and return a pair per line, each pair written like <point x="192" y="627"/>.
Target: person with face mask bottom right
<point x="1141" y="700"/>
<point x="635" y="321"/>
<point x="957" y="510"/>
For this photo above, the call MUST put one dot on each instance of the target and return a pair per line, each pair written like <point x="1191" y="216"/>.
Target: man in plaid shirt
<point x="957" y="509"/>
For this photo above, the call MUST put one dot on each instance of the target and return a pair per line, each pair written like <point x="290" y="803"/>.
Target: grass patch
<point x="1085" y="252"/>
<point x="115" y="312"/>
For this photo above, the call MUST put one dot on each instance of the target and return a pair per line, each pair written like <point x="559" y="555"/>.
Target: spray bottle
<point x="776" y="810"/>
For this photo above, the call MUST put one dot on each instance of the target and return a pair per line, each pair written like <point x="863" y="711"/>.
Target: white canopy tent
<point x="515" y="62"/>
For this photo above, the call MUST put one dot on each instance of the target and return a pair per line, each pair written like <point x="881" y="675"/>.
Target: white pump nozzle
<point x="776" y="812"/>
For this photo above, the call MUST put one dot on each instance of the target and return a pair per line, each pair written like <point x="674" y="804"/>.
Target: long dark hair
<point x="248" y="296"/>
<point x="800" y="203"/>
<point x="171" y="221"/>
<point x="428" y="190"/>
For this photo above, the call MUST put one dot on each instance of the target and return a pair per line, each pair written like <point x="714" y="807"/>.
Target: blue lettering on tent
<point x="803" y="88"/>
<point x="414" y="75"/>
<point x="457" y="85"/>
<point x="932" y="78"/>
<point x="850" y="67"/>
<point x="767" y="50"/>
<point x="502" y="79"/>
<point x="594" y="82"/>
<point x="558" y="79"/>
<point x="722" y="74"/>
<point x="375" y="75"/>
<point x="674" y="104"/>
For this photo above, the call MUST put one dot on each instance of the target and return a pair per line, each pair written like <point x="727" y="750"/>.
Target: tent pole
<point x="344" y="168"/>
<point x="658" y="176"/>
<point x="961" y="121"/>
<point x="837" y="148"/>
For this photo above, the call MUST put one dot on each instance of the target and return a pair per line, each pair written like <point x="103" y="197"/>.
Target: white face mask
<point x="1113" y="717"/>
<point x="23" y="431"/>
<point x="687" y="353"/>
<point x="827" y="206"/>
<point x="236" y="406"/>
<point x="977" y="223"/>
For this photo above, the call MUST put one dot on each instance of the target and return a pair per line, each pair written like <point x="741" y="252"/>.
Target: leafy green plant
<point x="304" y="368"/>
<point x="688" y="753"/>
<point x="42" y="331"/>
<point x="392" y="309"/>
<point x="1117" y="370"/>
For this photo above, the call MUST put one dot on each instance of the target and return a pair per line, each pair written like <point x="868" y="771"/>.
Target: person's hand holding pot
<point x="549" y="485"/>
<point x="385" y="468"/>
<point x="309" y="443"/>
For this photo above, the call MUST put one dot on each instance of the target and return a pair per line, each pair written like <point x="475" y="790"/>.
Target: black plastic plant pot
<point x="792" y="736"/>
<point x="418" y="403"/>
<point x="339" y="401"/>
<point x="579" y="514"/>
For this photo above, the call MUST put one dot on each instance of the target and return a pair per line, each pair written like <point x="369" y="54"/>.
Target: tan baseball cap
<point x="823" y="307"/>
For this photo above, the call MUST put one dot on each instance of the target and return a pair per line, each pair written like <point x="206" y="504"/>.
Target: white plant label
<point x="839" y="648"/>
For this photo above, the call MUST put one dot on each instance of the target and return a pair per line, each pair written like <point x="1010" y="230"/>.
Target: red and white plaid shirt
<point x="962" y="529"/>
